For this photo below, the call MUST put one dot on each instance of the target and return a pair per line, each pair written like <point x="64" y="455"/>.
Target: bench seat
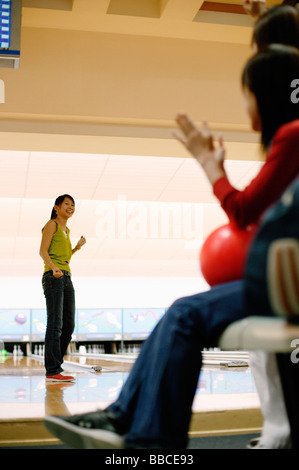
<point x="271" y="334"/>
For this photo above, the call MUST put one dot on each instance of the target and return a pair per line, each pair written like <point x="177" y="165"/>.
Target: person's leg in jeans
<point x="68" y="315"/>
<point x="157" y="398"/>
<point x="56" y="342"/>
<point x="154" y="407"/>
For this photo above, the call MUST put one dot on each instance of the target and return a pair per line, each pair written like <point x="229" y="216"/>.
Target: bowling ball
<point x="20" y="318"/>
<point x="224" y="253"/>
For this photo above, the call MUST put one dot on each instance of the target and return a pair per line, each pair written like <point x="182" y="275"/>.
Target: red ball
<point x="224" y="253"/>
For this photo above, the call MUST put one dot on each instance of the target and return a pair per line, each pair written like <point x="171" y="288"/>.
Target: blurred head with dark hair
<point x="277" y="25"/>
<point x="267" y="78"/>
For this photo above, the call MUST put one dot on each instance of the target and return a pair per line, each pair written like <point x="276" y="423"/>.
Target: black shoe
<point x="95" y="430"/>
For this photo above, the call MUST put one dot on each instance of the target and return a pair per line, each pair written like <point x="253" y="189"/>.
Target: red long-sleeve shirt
<point x="279" y="170"/>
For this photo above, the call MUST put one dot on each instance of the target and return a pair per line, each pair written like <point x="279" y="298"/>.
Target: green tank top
<point x="60" y="250"/>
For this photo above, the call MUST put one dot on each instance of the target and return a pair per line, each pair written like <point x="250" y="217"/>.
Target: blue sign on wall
<point x="5" y="23"/>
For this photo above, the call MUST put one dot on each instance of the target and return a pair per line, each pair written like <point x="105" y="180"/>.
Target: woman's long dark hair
<point x="268" y="75"/>
<point x="277" y="25"/>
<point x="59" y="201"/>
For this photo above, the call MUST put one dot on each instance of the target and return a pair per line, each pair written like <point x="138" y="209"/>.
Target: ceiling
<point x="192" y="19"/>
<point x="143" y="212"/>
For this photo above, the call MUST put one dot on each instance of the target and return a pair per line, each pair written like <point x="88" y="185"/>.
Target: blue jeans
<point x="155" y="404"/>
<point x="60" y="301"/>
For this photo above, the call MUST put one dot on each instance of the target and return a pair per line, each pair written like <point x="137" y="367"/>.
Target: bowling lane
<point x="24" y="392"/>
<point x="226" y="398"/>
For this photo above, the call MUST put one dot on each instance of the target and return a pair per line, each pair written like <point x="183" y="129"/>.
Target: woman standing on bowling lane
<point x="154" y="407"/>
<point x="56" y="251"/>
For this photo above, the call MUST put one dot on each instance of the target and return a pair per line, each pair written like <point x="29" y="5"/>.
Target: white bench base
<point x="275" y="335"/>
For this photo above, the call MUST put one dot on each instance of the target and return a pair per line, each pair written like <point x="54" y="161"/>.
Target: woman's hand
<point x="80" y="243"/>
<point x="199" y="142"/>
<point x="57" y="272"/>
